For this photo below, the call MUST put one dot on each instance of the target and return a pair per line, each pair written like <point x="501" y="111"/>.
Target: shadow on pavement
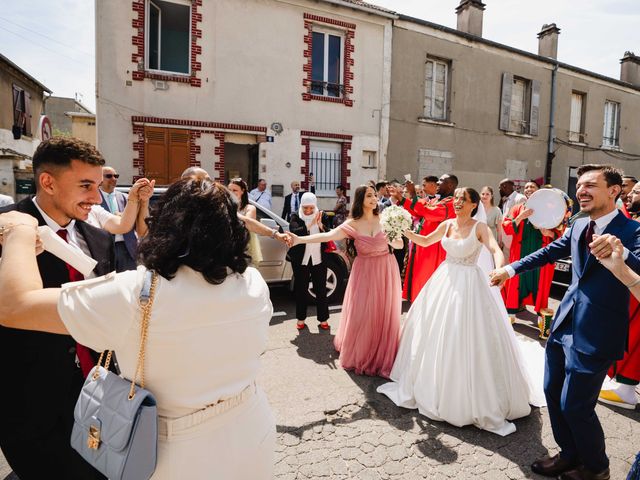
<point x="317" y="346"/>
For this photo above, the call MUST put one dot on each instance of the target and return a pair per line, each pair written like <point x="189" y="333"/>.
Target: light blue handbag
<point x="116" y="421"/>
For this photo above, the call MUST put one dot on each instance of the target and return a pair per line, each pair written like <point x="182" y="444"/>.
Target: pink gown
<point x="367" y="337"/>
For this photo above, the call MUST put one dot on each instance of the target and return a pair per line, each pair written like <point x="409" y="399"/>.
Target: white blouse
<point x="204" y="342"/>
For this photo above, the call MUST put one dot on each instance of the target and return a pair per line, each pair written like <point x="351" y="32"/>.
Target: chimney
<point x="470" y="16"/>
<point x="548" y="41"/>
<point x="630" y="69"/>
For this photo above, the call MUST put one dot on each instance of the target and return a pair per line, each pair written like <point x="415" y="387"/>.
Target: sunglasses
<point x="111" y="175"/>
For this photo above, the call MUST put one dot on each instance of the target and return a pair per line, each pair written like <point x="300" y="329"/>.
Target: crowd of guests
<point x="212" y="414"/>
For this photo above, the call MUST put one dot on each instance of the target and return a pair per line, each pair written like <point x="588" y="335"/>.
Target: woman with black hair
<point x="239" y="188"/>
<point x="207" y="330"/>
<point x="458" y="359"/>
<point x="367" y="337"/>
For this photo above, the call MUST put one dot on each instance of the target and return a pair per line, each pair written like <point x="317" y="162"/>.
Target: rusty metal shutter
<point x="156" y="157"/>
<point x="178" y="153"/>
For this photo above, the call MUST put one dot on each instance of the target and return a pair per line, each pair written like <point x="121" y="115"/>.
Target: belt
<point x="170" y="426"/>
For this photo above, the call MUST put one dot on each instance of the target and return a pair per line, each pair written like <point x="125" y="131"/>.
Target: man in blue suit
<point x="590" y="328"/>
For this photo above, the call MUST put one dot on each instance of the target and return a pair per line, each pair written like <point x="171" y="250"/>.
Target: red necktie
<point x="84" y="354"/>
<point x="589" y="235"/>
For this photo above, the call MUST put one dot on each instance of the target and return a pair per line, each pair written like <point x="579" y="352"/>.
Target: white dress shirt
<point x="73" y="235"/>
<point x="512" y="200"/>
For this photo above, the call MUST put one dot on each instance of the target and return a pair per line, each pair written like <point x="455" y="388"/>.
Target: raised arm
<point x="335" y="234"/>
<point x="24" y="304"/>
<point x="425" y="241"/>
<point x="486" y="237"/>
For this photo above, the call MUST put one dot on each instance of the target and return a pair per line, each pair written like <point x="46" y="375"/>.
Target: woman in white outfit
<point x="207" y="330"/>
<point x="458" y="359"/>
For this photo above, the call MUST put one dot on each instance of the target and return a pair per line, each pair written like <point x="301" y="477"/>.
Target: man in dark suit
<point x="291" y="201"/>
<point x="41" y="372"/>
<point x="590" y="328"/>
<point x="115" y="202"/>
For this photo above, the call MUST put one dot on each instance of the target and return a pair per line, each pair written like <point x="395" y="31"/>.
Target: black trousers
<point x="318" y="274"/>
<point x="49" y="454"/>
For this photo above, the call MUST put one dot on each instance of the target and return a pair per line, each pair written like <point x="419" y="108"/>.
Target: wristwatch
<point x="274" y="232"/>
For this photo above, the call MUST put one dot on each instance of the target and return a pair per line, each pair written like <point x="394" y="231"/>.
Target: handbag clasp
<point x="93" y="440"/>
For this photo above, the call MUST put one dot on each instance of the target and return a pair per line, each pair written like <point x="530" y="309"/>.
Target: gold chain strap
<point x="146" y="314"/>
<point x="96" y="372"/>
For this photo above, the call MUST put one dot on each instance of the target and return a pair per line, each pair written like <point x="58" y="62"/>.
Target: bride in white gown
<point x="458" y="359"/>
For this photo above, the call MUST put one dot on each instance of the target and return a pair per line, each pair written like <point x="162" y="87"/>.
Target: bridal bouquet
<point x="395" y="220"/>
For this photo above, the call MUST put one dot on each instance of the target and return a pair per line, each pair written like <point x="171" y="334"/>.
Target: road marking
<point x="279" y="314"/>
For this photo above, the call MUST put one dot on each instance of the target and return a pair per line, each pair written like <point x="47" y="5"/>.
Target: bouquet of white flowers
<point x="395" y="220"/>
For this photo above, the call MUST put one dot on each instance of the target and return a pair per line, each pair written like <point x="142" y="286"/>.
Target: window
<point x="168" y="36"/>
<point x="436" y="88"/>
<point x="520" y="105"/>
<point x="611" y="132"/>
<point x="21" y="110"/>
<point x="325" y="163"/>
<point x="576" y="124"/>
<point x="327" y="66"/>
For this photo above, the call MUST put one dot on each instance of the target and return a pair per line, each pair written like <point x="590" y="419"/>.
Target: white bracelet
<point x="634" y="283"/>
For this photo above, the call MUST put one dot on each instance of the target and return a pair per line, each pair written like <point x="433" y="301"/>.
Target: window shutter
<point x="178" y="153"/>
<point x="535" y="107"/>
<point x="616" y="133"/>
<point x="505" y="101"/>
<point x="27" y="113"/>
<point x="155" y="155"/>
<point x="428" y="88"/>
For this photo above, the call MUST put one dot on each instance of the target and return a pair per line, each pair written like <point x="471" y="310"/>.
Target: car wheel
<point x="336" y="279"/>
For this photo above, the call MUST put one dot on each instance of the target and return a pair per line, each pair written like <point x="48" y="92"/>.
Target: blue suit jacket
<point x="130" y="239"/>
<point x="599" y="301"/>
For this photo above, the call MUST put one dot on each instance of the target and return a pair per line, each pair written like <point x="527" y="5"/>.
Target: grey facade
<point x="57" y="107"/>
<point x="466" y="105"/>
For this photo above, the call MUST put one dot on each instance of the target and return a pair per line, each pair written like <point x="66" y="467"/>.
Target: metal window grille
<point x="327" y="170"/>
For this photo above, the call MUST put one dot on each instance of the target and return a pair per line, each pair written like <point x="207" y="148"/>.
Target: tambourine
<point x="549" y="207"/>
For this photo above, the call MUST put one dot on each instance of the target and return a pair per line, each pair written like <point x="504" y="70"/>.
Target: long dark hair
<point x="244" y="198"/>
<point x="195" y="223"/>
<point x="357" y="209"/>
<point x="474" y="196"/>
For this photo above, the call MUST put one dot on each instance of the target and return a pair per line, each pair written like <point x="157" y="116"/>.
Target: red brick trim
<point x="330" y="21"/>
<point x="333" y="136"/>
<point x="219" y="151"/>
<point x="349" y="35"/>
<point x="345" y="158"/>
<point x="138" y="146"/>
<point x="137" y="40"/>
<point x="199" y="124"/>
<point x="194" y="149"/>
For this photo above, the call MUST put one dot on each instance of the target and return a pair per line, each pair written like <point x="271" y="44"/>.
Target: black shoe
<point x="552" y="466"/>
<point x="582" y="473"/>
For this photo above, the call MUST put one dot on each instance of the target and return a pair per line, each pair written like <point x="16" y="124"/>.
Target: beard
<point x="634" y="207"/>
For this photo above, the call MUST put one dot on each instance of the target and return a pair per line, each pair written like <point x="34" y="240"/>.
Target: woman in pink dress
<point x="367" y="337"/>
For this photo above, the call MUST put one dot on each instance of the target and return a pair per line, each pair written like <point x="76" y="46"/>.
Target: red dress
<point x="512" y="288"/>
<point x="629" y="366"/>
<point x="423" y="261"/>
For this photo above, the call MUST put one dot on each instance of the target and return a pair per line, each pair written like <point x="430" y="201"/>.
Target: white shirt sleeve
<point x="100" y="312"/>
<point x="100" y="215"/>
<point x="509" y="269"/>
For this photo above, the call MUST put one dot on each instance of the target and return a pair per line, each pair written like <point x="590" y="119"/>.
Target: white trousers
<point x="234" y="440"/>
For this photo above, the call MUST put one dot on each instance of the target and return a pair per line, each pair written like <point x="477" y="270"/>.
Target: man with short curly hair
<point x="44" y="371"/>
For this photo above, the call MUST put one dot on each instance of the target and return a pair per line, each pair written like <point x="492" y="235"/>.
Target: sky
<point x="54" y="40"/>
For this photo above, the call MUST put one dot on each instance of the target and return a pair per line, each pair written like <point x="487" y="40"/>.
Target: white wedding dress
<point x="459" y="360"/>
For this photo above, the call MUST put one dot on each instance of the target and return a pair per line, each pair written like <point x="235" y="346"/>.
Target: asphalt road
<point x="332" y="424"/>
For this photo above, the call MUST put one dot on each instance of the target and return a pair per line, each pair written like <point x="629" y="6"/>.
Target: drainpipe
<point x="552" y="125"/>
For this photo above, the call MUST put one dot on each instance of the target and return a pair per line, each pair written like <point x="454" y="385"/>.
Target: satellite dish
<point x="277" y="127"/>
